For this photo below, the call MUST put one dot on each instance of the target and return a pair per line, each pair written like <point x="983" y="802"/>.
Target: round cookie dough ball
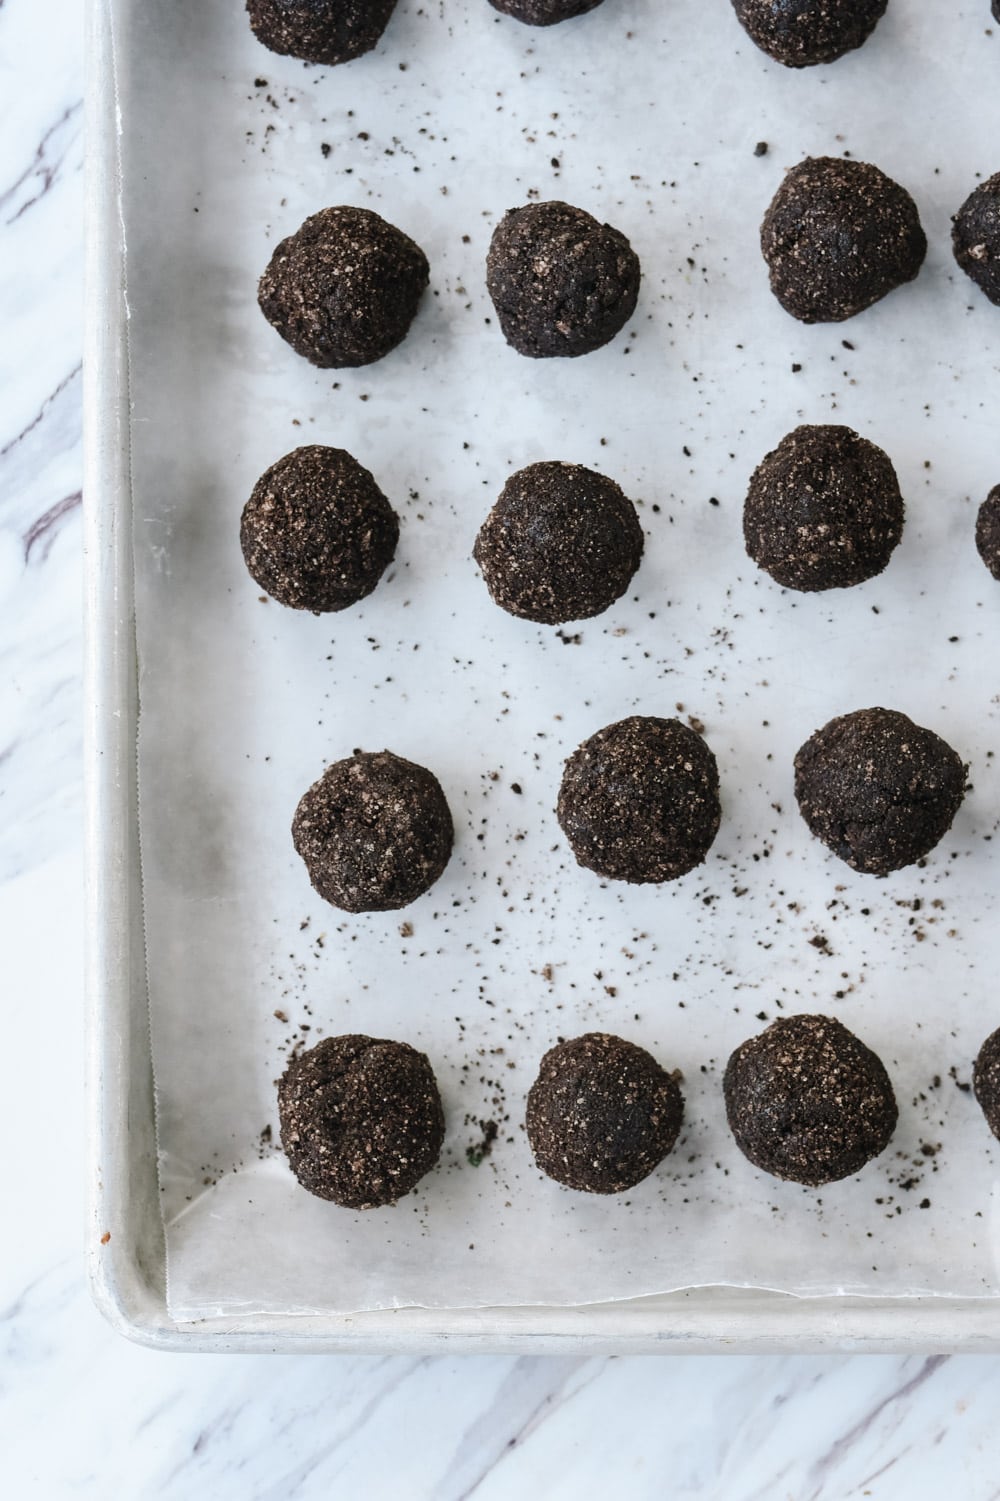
<point x="975" y="237"/>
<point x="544" y="12"/>
<point x="839" y="236"/>
<point x="986" y="1080"/>
<point x="562" y="284"/>
<point x="361" y="1120"/>
<point x="877" y="789"/>
<point x="561" y="543"/>
<point x="375" y="832"/>
<point x="801" y="33"/>
<point x="639" y="801"/>
<point x="602" y="1114"/>
<point x="320" y="31"/>
<point x="344" y="288"/>
<point x="823" y="510"/>
<point x="988" y="531"/>
<point x="808" y="1102"/>
<point x="317" y="533"/>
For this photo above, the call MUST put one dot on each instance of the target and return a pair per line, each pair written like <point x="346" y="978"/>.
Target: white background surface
<point x="82" y="1414"/>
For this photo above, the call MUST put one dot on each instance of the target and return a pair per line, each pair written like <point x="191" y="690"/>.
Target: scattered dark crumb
<point x="479" y="1151"/>
<point x="760" y="149"/>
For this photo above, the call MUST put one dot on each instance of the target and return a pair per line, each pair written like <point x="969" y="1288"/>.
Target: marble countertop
<point x="81" y="1412"/>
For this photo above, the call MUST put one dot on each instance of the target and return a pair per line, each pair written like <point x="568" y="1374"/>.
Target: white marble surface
<point x="83" y="1414"/>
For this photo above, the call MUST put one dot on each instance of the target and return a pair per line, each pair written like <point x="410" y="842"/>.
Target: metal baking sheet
<point x="709" y="372"/>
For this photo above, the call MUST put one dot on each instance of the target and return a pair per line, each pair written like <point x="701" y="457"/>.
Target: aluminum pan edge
<point x="124" y="1240"/>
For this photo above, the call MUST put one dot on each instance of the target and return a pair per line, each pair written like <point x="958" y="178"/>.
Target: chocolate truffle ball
<point x="602" y="1114"/>
<point x="562" y="284"/>
<point x="544" y="12"/>
<point x="838" y="236"/>
<point x="807" y="1101"/>
<point x="361" y="1120"/>
<point x="561" y="543"/>
<point x="639" y="800"/>
<point x="975" y="237"/>
<point x="996" y="9"/>
<point x="877" y="789"/>
<point x="801" y="33"/>
<point x="317" y="533"/>
<point x="375" y="832"/>
<point x="344" y="289"/>
<point x="823" y="510"/>
<point x="988" y="531"/>
<point x="986" y="1080"/>
<point x="320" y="31"/>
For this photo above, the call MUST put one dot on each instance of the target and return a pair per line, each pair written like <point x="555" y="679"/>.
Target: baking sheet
<point x="243" y="703"/>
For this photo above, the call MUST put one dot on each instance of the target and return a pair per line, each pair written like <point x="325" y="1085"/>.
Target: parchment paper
<point x="646" y="113"/>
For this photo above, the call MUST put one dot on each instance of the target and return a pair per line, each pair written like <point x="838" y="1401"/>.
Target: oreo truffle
<point x="602" y="1114"/>
<point x="986" y="1080"/>
<point x="807" y="1101"/>
<point x="361" y="1120"/>
<point x="975" y="237"/>
<point x="877" y="789"/>
<point x="317" y="533"/>
<point x="561" y="283"/>
<point x="839" y="236"/>
<point x="344" y="288"/>
<point x="375" y="832"/>
<point x="561" y="543"/>
<point x="988" y="531"/>
<point x="802" y="33"/>
<point x="320" y="31"/>
<point x="544" y="12"/>
<point x="823" y="510"/>
<point x="639" y="801"/>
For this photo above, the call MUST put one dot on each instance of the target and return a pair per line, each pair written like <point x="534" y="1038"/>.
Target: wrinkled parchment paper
<point x="647" y="114"/>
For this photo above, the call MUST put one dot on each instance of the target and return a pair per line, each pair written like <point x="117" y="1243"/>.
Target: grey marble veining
<point x="84" y="1415"/>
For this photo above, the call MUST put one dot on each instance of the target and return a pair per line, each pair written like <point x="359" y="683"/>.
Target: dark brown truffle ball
<point x="988" y="531"/>
<point x="544" y="12"/>
<point x="986" y="1080"/>
<point x="317" y="533"/>
<point x="807" y="1101"/>
<point x="975" y="237"/>
<point x="320" y="31"/>
<point x="361" y="1120"/>
<point x="877" y="789"/>
<point x="375" y="832"/>
<point x="838" y="236"/>
<point x="602" y="1114"/>
<point x="823" y="510"/>
<point x="561" y="543"/>
<point x="344" y="289"/>
<point x="562" y="284"/>
<point x="801" y="33"/>
<point x="639" y="800"/>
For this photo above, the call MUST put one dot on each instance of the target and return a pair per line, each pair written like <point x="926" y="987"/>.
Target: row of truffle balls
<point x="838" y="236"/>
<point x="806" y="1100"/>
<point x="798" y="35"/>
<point x="638" y="802"/>
<point x="562" y="542"/>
